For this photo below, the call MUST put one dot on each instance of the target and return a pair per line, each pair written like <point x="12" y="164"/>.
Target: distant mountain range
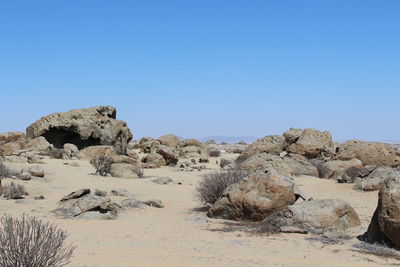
<point x="230" y="139"/>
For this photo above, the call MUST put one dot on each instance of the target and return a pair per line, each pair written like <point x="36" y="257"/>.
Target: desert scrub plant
<point x="215" y="153"/>
<point x="224" y="162"/>
<point x="3" y="170"/>
<point x="28" y="241"/>
<point x="381" y="250"/>
<point x="212" y="185"/>
<point x="102" y="164"/>
<point x="13" y="191"/>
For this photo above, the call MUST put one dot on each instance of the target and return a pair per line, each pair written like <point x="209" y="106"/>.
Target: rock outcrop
<point x="83" y="128"/>
<point x="369" y="153"/>
<point x="385" y="223"/>
<point x="316" y="216"/>
<point x="286" y="165"/>
<point x="272" y="144"/>
<point x="375" y="179"/>
<point x="311" y="143"/>
<point x="257" y="196"/>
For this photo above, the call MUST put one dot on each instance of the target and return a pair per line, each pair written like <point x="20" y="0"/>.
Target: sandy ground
<point x="181" y="234"/>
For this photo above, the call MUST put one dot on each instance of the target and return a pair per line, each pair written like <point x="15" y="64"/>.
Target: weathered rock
<point x="96" y="151"/>
<point x="95" y="215"/>
<point x="341" y="169"/>
<point x="123" y="170"/>
<point x="147" y="144"/>
<point x="170" y="156"/>
<point x="169" y="140"/>
<point x="11" y="137"/>
<point x="76" y="194"/>
<point x="153" y="160"/>
<point x="36" y="171"/>
<point x="156" y="203"/>
<point x="375" y="179"/>
<point x="191" y="148"/>
<point x="162" y="180"/>
<point x="16" y="159"/>
<point x="121" y="193"/>
<point x="316" y="216"/>
<point x="17" y="172"/>
<point x="257" y="196"/>
<point x="39" y="144"/>
<point x="286" y="165"/>
<point x="131" y="203"/>
<point x="367" y="170"/>
<point x="385" y="223"/>
<point x="126" y="159"/>
<point x="272" y="144"/>
<point x="369" y="153"/>
<point x="9" y="148"/>
<point x="311" y="143"/>
<point x="292" y="135"/>
<point x="71" y="150"/>
<point x="83" y="127"/>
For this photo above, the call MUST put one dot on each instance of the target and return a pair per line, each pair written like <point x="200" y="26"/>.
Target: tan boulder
<point x="385" y="223"/>
<point x="153" y="160"/>
<point x="169" y="140"/>
<point x="83" y="127"/>
<point x="369" y="153"/>
<point x="273" y="144"/>
<point x="311" y="143"/>
<point x="95" y="151"/>
<point x="257" y="196"/>
<point x="124" y="170"/>
<point x="341" y="169"/>
<point x="285" y="165"/>
<point x="39" y="144"/>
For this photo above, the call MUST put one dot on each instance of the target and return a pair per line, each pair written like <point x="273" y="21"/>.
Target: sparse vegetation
<point x="13" y="191"/>
<point x="224" y="163"/>
<point x="380" y="250"/>
<point x="28" y="241"/>
<point x="215" y="153"/>
<point x="102" y="164"/>
<point x="212" y="185"/>
<point x="3" y="170"/>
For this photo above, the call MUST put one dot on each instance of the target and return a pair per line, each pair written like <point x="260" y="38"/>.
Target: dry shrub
<point x="3" y="170"/>
<point x="224" y="162"/>
<point x="212" y="185"/>
<point x="14" y="191"/>
<point x="102" y="164"/>
<point x="28" y="241"/>
<point x="381" y="250"/>
<point x="215" y="153"/>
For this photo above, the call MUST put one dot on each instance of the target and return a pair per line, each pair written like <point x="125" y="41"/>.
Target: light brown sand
<point x="179" y="234"/>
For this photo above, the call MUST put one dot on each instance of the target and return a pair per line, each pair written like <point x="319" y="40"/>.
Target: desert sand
<point x="180" y="234"/>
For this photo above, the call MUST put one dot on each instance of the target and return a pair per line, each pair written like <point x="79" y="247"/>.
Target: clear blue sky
<point x="200" y="68"/>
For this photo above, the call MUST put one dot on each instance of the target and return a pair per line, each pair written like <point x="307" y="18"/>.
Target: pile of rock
<point x="84" y="204"/>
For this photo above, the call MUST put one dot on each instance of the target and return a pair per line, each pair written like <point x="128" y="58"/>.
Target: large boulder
<point x="169" y="154"/>
<point x="39" y="144"/>
<point x="11" y="137"/>
<point x="83" y="128"/>
<point x="257" y="196"/>
<point x="191" y="148"/>
<point x="9" y="148"/>
<point x="341" y="169"/>
<point x="292" y="135"/>
<point x="124" y="170"/>
<point x="285" y="165"/>
<point x="375" y="179"/>
<point x="316" y="216"/>
<point x="272" y="144"/>
<point x="169" y="140"/>
<point x="153" y="160"/>
<point x="369" y="153"/>
<point x="312" y="143"/>
<point x="385" y="223"/>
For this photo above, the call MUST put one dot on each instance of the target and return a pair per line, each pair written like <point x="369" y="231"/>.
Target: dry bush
<point x="237" y="150"/>
<point x="215" y="153"/>
<point x="212" y="185"/>
<point x="102" y="164"/>
<point x="28" y="241"/>
<point x="224" y="162"/>
<point x="14" y="191"/>
<point x="380" y="250"/>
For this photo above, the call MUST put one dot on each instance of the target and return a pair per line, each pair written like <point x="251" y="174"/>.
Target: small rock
<point x="36" y="171"/>
<point x="39" y="197"/>
<point x="162" y="180"/>
<point x="154" y="203"/>
<point x="131" y="203"/>
<point x="121" y="193"/>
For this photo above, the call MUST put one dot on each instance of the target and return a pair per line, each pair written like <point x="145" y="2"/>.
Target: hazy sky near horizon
<point x="210" y="67"/>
